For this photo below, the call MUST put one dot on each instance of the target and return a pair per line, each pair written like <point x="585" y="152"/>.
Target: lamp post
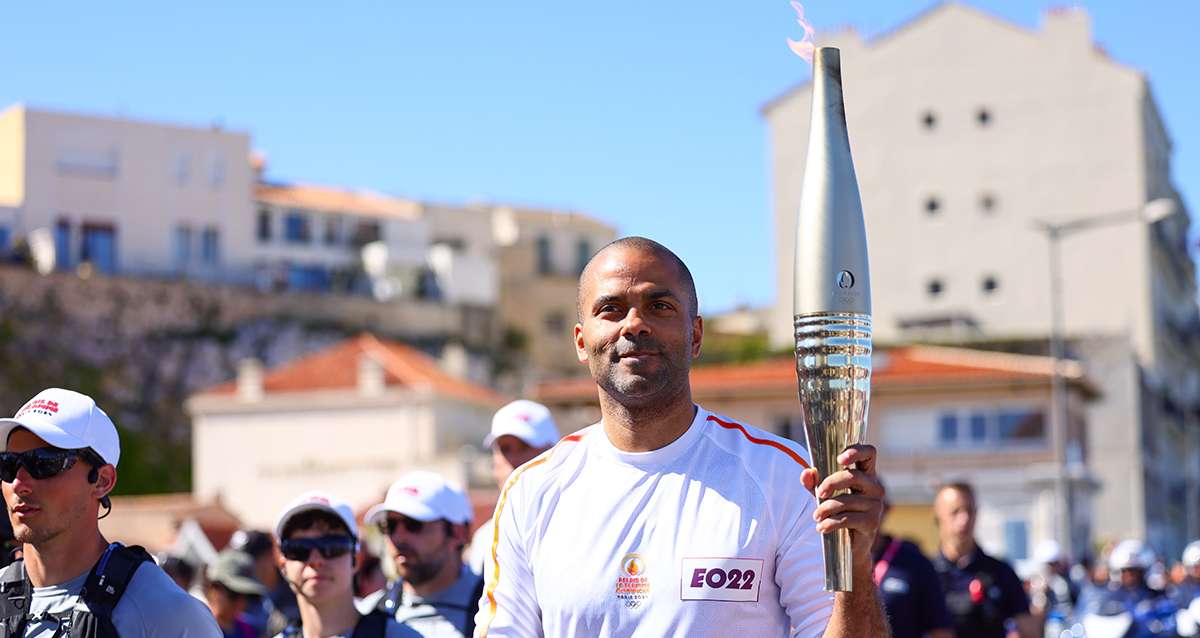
<point x="1059" y="418"/>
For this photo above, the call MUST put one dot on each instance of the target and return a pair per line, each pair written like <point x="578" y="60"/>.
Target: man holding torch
<point x="665" y="519"/>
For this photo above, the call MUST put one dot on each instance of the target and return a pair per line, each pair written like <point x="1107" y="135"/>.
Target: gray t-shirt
<point x="394" y="630"/>
<point x="445" y="614"/>
<point x="152" y="605"/>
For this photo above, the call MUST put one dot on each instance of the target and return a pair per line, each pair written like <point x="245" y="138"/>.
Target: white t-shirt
<point x="711" y="535"/>
<point x="152" y="605"/>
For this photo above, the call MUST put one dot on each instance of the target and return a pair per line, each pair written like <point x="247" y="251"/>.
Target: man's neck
<point x="646" y="428"/>
<point x="438" y="584"/>
<point x="63" y="557"/>
<point x="331" y="619"/>
<point x="957" y="551"/>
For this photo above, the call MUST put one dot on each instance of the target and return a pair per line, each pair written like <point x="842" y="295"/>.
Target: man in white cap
<point x="317" y="540"/>
<point x="58" y="466"/>
<point x="425" y="520"/>
<point x="1051" y="592"/>
<point x="521" y="430"/>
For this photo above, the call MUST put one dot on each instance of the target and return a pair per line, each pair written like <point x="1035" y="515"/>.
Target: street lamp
<point x="1059" y="421"/>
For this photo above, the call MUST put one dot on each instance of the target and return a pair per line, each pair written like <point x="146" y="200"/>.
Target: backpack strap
<point x="16" y="594"/>
<point x="103" y="589"/>
<point x="372" y="625"/>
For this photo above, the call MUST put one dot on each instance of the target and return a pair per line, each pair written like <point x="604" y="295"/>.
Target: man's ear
<point x="697" y="335"/>
<point x="580" y="349"/>
<point x="106" y="480"/>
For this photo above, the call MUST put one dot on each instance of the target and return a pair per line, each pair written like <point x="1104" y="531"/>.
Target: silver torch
<point x="832" y="302"/>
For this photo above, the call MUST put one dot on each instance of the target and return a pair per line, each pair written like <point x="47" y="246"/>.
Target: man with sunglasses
<point x="425" y="520"/>
<point x="317" y="542"/>
<point x="58" y="466"/>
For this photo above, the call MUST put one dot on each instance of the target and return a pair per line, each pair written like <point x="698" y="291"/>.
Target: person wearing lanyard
<point x="983" y="595"/>
<point x="909" y="587"/>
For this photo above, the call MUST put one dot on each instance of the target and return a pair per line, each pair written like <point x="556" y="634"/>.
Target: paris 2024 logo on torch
<point x="633" y="586"/>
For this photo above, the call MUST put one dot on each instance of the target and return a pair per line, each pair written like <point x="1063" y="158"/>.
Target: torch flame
<point x="803" y="48"/>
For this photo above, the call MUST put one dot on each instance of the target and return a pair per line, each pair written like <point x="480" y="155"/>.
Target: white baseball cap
<point x="423" y="496"/>
<point x="1191" y="555"/>
<point x="321" y="502"/>
<point x="527" y="420"/>
<point x="1131" y="554"/>
<point x="67" y="420"/>
<point x="1047" y="551"/>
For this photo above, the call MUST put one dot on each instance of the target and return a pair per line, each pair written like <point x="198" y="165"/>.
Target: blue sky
<point x="644" y="114"/>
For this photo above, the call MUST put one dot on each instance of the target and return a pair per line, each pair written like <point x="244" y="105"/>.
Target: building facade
<point x="350" y="420"/>
<point x="127" y="197"/>
<point x="541" y="255"/>
<point x="966" y="131"/>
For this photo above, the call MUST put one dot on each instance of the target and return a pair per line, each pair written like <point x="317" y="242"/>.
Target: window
<point x="183" y="246"/>
<point x="932" y="205"/>
<point x="983" y="116"/>
<point x="1016" y="540"/>
<point x="88" y="162"/>
<point x="216" y="173"/>
<point x="333" y="229"/>
<point x="545" y="263"/>
<point x="183" y="169"/>
<point x="978" y="428"/>
<point x="987" y="203"/>
<point x="264" y="224"/>
<point x="934" y="287"/>
<point x="990" y="284"/>
<point x="62" y="245"/>
<point x="948" y="429"/>
<point x="991" y="427"/>
<point x="308" y="279"/>
<point x="210" y="246"/>
<point x="100" y="247"/>
<point x="789" y="427"/>
<point x="929" y="120"/>
<point x="583" y="252"/>
<point x="366" y="232"/>
<point x="1020" y="426"/>
<point x="296" y="227"/>
<point x="555" y="323"/>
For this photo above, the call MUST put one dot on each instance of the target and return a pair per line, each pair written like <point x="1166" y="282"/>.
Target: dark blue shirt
<point x="982" y="594"/>
<point x="911" y="592"/>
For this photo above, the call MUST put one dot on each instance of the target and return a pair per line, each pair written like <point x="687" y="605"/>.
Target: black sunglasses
<point x="329" y="546"/>
<point x="410" y="525"/>
<point x="41" y="463"/>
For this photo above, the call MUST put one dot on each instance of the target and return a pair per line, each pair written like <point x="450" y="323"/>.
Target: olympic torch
<point x="832" y="302"/>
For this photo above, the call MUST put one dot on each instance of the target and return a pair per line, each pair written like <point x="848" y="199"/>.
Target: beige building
<point x="118" y="194"/>
<point x="349" y="420"/>
<point x="965" y="130"/>
<point x="937" y="414"/>
<point x="540" y="256"/>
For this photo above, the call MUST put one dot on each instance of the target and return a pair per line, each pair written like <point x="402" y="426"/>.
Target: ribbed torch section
<point x="832" y="302"/>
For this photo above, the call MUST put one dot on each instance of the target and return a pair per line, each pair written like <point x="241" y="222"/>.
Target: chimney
<point x="250" y="380"/>
<point x="371" y="381"/>
<point x="455" y="361"/>
<point x="1068" y="28"/>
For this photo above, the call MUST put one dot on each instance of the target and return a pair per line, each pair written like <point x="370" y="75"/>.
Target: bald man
<point x="665" y="518"/>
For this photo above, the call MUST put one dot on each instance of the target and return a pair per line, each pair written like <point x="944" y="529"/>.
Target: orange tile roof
<point x="336" y="368"/>
<point x="324" y="198"/>
<point x="897" y="368"/>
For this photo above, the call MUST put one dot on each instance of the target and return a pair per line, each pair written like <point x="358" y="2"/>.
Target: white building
<point x="965" y="130"/>
<point x="128" y="197"/>
<point x="349" y="420"/>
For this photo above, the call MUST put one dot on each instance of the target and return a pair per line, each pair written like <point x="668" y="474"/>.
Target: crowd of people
<point x="662" y="519"/>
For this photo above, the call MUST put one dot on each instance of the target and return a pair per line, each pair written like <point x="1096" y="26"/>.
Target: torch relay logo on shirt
<point x="633" y="587"/>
